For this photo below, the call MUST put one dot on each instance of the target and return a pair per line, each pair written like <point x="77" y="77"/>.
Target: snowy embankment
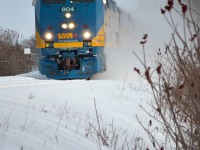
<point x="37" y="114"/>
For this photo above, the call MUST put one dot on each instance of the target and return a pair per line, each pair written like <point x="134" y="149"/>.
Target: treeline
<point x="12" y="58"/>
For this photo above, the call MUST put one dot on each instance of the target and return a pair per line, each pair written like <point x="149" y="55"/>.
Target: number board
<point x="68" y="9"/>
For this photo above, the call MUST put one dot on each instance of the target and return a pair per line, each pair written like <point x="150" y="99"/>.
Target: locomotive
<point x="71" y="36"/>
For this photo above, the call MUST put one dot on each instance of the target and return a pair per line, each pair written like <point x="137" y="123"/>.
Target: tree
<point x="12" y="58"/>
<point x="29" y="43"/>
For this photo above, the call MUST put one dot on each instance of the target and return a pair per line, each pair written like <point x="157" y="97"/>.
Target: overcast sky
<point x="18" y="15"/>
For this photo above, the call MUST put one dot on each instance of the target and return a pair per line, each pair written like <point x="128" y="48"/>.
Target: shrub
<point x="175" y="82"/>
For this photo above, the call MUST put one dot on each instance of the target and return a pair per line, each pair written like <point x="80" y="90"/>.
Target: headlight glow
<point x="87" y="35"/>
<point x="64" y="26"/>
<point x="49" y="36"/>
<point x="68" y="15"/>
<point x="71" y="25"/>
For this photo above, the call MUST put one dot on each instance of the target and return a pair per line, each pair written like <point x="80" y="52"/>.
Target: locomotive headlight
<point x="48" y="36"/>
<point x="64" y="26"/>
<point x="68" y="15"/>
<point x="87" y="35"/>
<point x="71" y="25"/>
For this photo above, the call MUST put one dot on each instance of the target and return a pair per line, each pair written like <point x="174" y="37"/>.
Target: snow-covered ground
<point x="41" y="114"/>
<point x="37" y="114"/>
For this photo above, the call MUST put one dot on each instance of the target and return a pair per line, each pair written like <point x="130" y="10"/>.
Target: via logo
<point x="62" y="36"/>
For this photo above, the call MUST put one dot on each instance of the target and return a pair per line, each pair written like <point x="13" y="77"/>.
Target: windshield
<point x="81" y="1"/>
<point x="53" y="1"/>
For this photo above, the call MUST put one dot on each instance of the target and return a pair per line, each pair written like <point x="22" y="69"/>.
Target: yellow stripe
<point x="97" y="44"/>
<point x="99" y="40"/>
<point x="40" y="43"/>
<point x="68" y="45"/>
<point x="76" y="44"/>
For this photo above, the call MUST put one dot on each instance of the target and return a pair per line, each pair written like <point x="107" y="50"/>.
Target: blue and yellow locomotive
<point x="71" y="36"/>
